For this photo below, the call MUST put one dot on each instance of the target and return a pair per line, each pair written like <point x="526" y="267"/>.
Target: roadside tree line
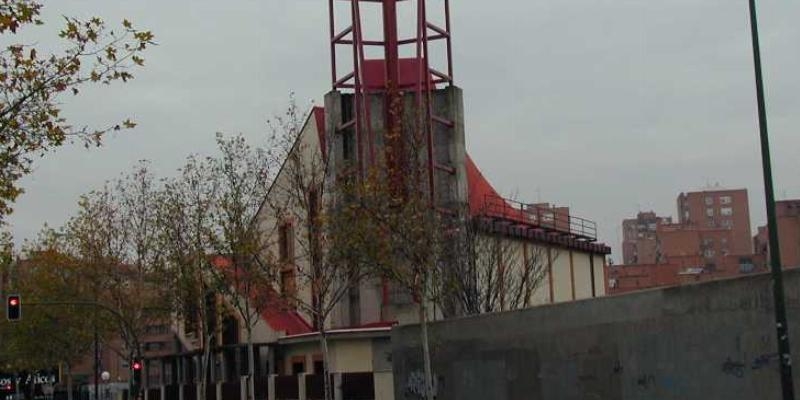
<point x="143" y="244"/>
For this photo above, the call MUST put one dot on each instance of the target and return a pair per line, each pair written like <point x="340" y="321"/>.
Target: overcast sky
<point x="607" y="106"/>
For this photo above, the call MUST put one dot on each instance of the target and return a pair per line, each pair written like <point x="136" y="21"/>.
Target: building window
<point x="156" y="329"/>
<point x="709" y="201"/>
<point x="726" y="211"/>
<point x="298" y="365"/>
<point x="725" y="200"/>
<point x="708" y="253"/>
<point x="548" y="217"/>
<point x="726" y="223"/>
<point x="348" y="146"/>
<point x="709" y="212"/>
<point x="288" y="284"/>
<point x="286" y="242"/>
<point x="318" y="367"/>
<point x="154" y="346"/>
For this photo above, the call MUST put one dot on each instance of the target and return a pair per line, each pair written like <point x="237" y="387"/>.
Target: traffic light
<point x="136" y="376"/>
<point x="13" y="307"/>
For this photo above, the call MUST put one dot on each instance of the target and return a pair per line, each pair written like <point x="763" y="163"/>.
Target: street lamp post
<point x="784" y="353"/>
<point x="105" y="376"/>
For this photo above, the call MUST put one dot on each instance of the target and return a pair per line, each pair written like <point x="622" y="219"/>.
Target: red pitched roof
<point x="479" y="188"/>
<point x="275" y="312"/>
<point x="287" y="321"/>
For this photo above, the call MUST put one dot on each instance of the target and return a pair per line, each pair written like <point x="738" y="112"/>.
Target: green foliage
<point x="47" y="336"/>
<point x="106" y="254"/>
<point x="33" y="86"/>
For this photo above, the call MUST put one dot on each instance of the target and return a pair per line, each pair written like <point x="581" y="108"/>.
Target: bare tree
<point x="325" y="246"/>
<point x="489" y="271"/>
<point x="185" y="215"/>
<point x="136" y="285"/>
<point x="241" y="175"/>
<point x="415" y="234"/>
<point x="109" y="251"/>
<point x="213" y="245"/>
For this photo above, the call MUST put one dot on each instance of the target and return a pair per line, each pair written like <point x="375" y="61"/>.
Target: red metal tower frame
<point x="425" y="82"/>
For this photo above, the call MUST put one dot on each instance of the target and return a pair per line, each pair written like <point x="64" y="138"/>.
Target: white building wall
<point x="600" y="275"/>
<point x="583" y="275"/>
<point x="562" y="279"/>
<point x="569" y="268"/>
<point x="281" y="206"/>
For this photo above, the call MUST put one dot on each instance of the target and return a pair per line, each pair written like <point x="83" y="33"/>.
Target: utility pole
<point x="784" y="352"/>
<point x="96" y="351"/>
<point x="96" y="360"/>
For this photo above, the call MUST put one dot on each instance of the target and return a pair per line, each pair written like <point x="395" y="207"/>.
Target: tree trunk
<point x="426" y="351"/>
<point x="323" y="338"/>
<point x="204" y="367"/>
<point x="251" y="369"/>
<point x="69" y="382"/>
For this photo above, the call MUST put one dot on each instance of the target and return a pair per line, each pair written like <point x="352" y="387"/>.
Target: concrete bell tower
<point x="394" y="106"/>
<point x="389" y="101"/>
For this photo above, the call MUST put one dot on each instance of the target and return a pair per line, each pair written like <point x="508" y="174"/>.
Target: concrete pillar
<point x="337" y="387"/>
<point x="301" y="388"/>
<point x="271" y="387"/>
<point x="219" y="390"/>
<point x="180" y="391"/>
<point x="198" y="388"/>
<point x="243" y="387"/>
<point x="163" y="392"/>
<point x="146" y="393"/>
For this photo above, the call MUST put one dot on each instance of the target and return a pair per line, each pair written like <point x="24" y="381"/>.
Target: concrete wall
<point x="714" y="340"/>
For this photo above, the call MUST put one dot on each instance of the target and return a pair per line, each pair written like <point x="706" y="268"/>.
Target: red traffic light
<point x="13" y="307"/>
<point x="136" y="365"/>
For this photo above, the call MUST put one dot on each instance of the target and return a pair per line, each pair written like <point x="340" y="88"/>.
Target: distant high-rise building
<point x="712" y="239"/>
<point x="639" y="243"/>
<point x="719" y="210"/>
<point x="788" y="214"/>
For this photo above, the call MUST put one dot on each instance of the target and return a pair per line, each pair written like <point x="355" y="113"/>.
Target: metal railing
<point x="547" y="218"/>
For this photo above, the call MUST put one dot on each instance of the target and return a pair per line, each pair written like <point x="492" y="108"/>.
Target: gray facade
<point x="364" y="305"/>
<point x="713" y="340"/>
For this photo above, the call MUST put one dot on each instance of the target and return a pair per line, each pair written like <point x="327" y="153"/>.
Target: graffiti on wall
<point x="415" y="385"/>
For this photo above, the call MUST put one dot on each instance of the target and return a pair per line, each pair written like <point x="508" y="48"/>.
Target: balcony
<point x="550" y="220"/>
